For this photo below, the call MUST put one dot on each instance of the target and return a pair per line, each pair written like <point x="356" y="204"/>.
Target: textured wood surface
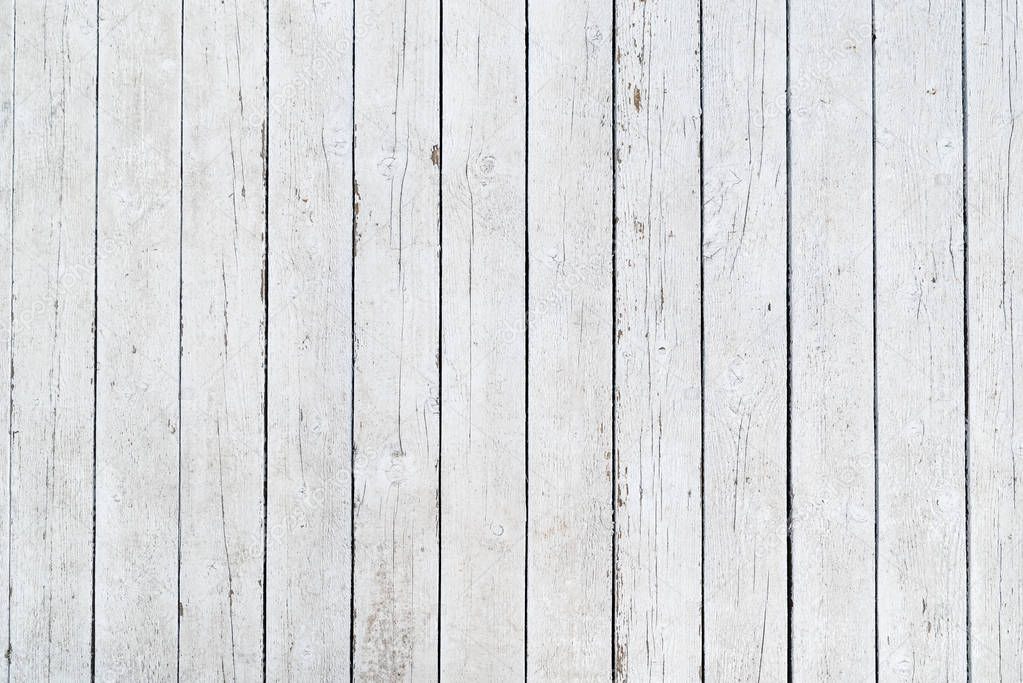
<point x="483" y="361"/>
<point x="52" y="315"/>
<point x="570" y="469"/>
<point x="605" y="340"/>
<point x="223" y="247"/>
<point x="831" y="290"/>
<point x="657" y="317"/>
<point x="307" y="145"/>
<point x="994" y="208"/>
<point x="921" y="550"/>
<point x="744" y="313"/>
<point x="137" y="341"/>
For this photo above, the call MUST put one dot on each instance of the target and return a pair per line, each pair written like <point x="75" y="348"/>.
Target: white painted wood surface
<point x="483" y="362"/>
<point x="994" y="208"/>
<point x="396" y="340"/>
<point x="309" y="402"/>
<point x="657" y="380"/>
<point x="51" y="387"/>
<point x="138" y="227"/>
<point x="744" y="295"/>
<point x="832" y="514"/>
<point x="223" y="245"/>
<point x="570" y="181"/>
<point x="921" y="548"/>
<point x="6" y="224"/>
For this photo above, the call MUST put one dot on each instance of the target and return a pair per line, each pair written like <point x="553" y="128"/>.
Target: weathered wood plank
<point x="657" y="387"/>
<point x="137" y="417"/>
<point x="309" y="356"/>
<point x="569" y="563"/>
<point x="483" y="326"/>
<point x="6" y="224"/>
<point x="397" y="337"/>
<point x="994" y="213"/>
<point x="921" y="591"/>
<point x="744" y="309"/>
<point x="223" y="323"/>
<point x="832" y="342"/>
<point x="53" y="275"/>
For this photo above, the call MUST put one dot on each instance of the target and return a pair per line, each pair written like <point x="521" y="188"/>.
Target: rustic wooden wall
<point x="391" y="340"/>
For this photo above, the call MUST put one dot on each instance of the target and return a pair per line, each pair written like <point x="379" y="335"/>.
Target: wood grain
<point x="832" y="341"/>
<point x="397" y="337"/>
<point x="657" y="387"/>
<point x="569" y="561"/>
<point x="138" y="330"/>
<point x="223" y="334"/>
<point x="389" y="340"/>
<point x="994" y="209"/>
<point x="7" y="182"/>
<point x="921" y="591"/>
<point x="744" y="300"/>
<point x="52" y="299"/>
<point x="309" y="180"/>
<point x="483" y="466"/>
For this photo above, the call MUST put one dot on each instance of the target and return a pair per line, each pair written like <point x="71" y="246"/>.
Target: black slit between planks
<point x="788" y="344"/>
<point x="966" y="340"/>
<point x="873" y="276"/>
<point x="181" y="233"/>
<point x="95" y="366"/>
<point x="351" y="422"/>
<point x="525" y="185"/>
<point x="10" y="395"/>
<point x="266" y="325"/>
<point x="703" y="411"/>
<point x="440" y="326"/>
<point x="614" y="341"/>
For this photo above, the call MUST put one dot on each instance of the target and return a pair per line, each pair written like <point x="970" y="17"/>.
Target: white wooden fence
<point x="385" y="340"/>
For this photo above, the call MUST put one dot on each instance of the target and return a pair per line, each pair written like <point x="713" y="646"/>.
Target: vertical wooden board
<point x="6" y="223"/>
<point x="744" y="302"/>
<point x="397" y="336"/>
<point x="223" y="323"/>
<point x="309" y="384"/>
<point x="483" y="327"/>
<point x="52" y="410"/>
<point x="994" y="213"/>
<point x="569" y="563"/>
<point x="921" y="592"/>
<point x="137" y="417"/>
<point x="657" y="380"/>
<point x="832" y="341"/>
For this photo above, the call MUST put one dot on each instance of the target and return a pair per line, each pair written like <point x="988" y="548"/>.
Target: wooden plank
<point x="657" y="380"/>
<point x="223" y="324"/>
<point x="921" y="593"/>
<point x="569" y="563"/>
<point x="53" y="276"/>
<point x="744" y="253"/>
<point x="7" y="45"/>
<point x="397" y="337"/>
<point x="483" y="420"/>
<point x="309" y="384"/>
<point x="995" y="270"/>
<point x="137" y="417"/>
<point x="832" y="342"/>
